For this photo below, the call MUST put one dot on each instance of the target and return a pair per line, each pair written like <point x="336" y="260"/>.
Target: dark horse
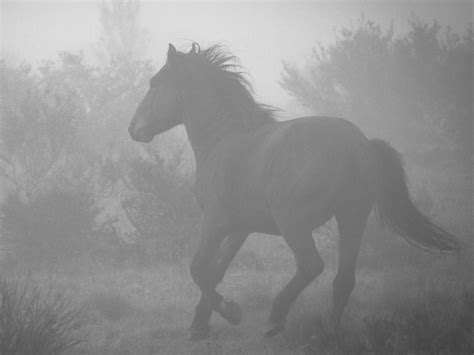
<point x="255" y="174"/>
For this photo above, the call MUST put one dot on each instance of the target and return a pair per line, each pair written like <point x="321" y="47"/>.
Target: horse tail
<point x="394" y="205"/>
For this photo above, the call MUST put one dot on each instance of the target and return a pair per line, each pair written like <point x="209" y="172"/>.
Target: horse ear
<point x="171" y="52"/>
<point x="194" y="48"/>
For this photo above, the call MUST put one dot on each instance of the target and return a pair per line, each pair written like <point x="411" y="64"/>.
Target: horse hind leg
<point x="351" y="224"/>
<point x="309" y="265"/>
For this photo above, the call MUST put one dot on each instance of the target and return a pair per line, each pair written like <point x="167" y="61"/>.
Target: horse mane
<point x="235" y="91"/>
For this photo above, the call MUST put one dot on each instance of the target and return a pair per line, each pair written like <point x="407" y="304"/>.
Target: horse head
<point x="161" y="109"/>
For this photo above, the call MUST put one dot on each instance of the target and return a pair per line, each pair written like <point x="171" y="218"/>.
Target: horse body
<point x="254" y="174"/>
<point x="246" y="179"/>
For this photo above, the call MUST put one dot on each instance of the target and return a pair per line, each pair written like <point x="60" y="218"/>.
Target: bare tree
<point x="122" y="37"/>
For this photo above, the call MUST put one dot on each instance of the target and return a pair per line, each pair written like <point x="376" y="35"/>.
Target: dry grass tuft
<point x="38" y="319"/>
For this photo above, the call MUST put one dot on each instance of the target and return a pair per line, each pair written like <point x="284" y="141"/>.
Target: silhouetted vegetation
<point x="414" y="90"/>
<point x="77" y="184"/>
<point x="37" y="319"/>
<point x="54" y="228"/>
<point x="161" y="203"/>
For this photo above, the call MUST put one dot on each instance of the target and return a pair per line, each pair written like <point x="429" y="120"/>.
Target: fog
<point x="36" y="30"/>
<point x="189" y="212"/>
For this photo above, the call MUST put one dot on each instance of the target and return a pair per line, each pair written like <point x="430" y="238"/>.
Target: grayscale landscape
<point x="249" y="177"/>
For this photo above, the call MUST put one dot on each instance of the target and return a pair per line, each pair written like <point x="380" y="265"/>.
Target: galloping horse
<point x="255" y="174"/>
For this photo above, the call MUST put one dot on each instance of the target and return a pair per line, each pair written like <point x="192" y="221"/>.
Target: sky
<point x="261" y="33"/>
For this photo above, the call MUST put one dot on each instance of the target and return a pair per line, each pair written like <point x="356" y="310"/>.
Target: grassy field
<point x="423" y="304"/>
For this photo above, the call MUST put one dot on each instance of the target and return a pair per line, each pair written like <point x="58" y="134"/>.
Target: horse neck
<point x="209" y="124"/>
<point x="205" y="131"/>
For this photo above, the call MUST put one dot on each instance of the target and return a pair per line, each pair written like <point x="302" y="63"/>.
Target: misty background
<point x="116" y="221"/>
<point x="260" y="33"/>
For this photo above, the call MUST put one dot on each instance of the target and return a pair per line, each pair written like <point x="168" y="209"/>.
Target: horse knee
<point x="197" y="271"/>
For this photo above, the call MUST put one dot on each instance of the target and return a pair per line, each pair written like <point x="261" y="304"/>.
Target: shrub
<point x="162" y="208"/>
<point x="52" y="227"/>
<point x="37" y="320"/>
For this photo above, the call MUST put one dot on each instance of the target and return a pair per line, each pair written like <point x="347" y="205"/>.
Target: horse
<point x="257" y="174"/>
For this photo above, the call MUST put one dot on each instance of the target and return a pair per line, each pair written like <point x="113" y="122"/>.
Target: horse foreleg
<point x="209" y="243"/>
<point x="229" y="310"/>
<point x="206" y="276"/>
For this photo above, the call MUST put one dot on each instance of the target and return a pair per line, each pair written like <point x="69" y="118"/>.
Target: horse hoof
<point x="199" y="333"/>
<point x="230" y="311"/>
<point x="274" y="329"/>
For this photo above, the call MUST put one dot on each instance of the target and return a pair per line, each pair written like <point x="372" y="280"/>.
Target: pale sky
<point x="260" y="33"/>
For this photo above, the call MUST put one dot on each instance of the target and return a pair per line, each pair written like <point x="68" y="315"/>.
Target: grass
<point x="38" y="318"/>
<point x="407" y="308"/>
<point x="433" y="317"/>
<point x="405" y="300"/>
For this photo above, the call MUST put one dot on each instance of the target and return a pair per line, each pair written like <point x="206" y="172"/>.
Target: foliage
<point x="415" y="90"/>
<point x="38" y="127"/>
<point x="65" y="151"/>
<point x="62" y="150"/>
<point x="161" y="206"/>
<point x="55" y="226"/>
<point x="36" y="319"/>
<point x="122" y="38"/>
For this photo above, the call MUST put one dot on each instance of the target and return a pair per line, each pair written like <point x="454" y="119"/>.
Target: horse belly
<point x="249" y="211"/>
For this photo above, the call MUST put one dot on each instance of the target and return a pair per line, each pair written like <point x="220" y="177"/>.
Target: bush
<point x="53" y="227"/>
<point x="37" y="320"/>
<point x="161" y="206"/>
<point x="414" y="90"/>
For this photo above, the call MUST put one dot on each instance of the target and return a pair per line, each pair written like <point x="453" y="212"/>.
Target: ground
<point x="148" y="310"/>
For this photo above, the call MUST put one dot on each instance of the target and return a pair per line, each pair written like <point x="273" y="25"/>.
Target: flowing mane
<point x="223" y="71"/>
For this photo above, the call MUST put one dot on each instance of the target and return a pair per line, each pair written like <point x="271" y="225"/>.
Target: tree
<point x="414" y="90"/>
<point x="40" y="117"/>
<point x="64" y="142"/>
<point x="122" y="38"/>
